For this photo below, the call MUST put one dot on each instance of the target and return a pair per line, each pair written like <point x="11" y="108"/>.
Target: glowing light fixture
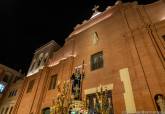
<point x="2" y="87"/>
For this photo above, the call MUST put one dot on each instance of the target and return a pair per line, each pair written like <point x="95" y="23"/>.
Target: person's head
<point x="160" y="97"/>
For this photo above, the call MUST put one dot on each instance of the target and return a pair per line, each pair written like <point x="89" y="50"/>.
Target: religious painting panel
<point x="100" y="102"/>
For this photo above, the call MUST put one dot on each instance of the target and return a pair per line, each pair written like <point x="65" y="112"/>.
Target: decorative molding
<point x="128" y="95"/>
<point x="93" y="90"/>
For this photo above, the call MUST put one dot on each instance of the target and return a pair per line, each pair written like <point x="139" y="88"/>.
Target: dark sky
<point x="26" y="25"/>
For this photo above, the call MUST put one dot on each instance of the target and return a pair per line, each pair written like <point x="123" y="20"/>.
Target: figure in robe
<point x="161" y="103"/>
<point x="77" y="91"/>
<point x="76" y="84"/>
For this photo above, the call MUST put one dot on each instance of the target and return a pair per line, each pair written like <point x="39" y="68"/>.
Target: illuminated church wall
<point x="133" y="59"/>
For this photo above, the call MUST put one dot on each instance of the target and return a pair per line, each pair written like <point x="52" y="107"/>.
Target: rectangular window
<point x="15" y="93"/>
<point x="12" y="93"/>
<point x="53" y="82"/>
<point x="30" y="86"/>
<point x="6" y="110"/>
<point x="97" y="60"/>
<point x="11" y="109"/>
<point x="2" y="110"/>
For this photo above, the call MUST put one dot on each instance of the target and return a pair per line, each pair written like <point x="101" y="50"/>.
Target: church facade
<point x="113" y="63"/>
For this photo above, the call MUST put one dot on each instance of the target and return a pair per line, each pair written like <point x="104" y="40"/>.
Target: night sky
<point x="26" y="25"/>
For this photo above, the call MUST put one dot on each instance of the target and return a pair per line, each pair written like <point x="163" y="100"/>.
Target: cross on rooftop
<point x="95" y="9"/>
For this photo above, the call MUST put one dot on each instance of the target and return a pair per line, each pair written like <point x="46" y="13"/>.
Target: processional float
<point x="69" y="97"/>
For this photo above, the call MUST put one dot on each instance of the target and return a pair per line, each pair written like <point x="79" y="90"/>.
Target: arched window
<point x="11" y="109"/>
<point x="45" y="58"/>
<point x="46" y="110"/>
<point x="6" y="111"/>
<point x="32" y="65"/>
<point x="40" y="59"/>
<point x="30" y="86"/>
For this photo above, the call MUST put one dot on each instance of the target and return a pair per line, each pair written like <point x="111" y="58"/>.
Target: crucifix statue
<point x="77" y="80"/>
<point x="76" y="84"/>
